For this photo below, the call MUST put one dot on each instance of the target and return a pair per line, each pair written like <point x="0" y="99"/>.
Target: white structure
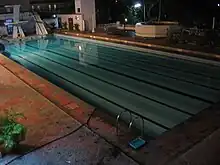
<point x="84" y="16"/>
<point x="155" y="30"/>
<point x="16" y="16"/>
<point x="17" y="30"/>
<point x="87" y="9"/>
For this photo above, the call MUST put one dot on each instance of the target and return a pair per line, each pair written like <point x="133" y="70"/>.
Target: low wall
<point x="152" y="31"/>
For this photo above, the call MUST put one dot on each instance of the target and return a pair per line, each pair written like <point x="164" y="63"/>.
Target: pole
<point x="144" y="8"/>
<point x="213" y="23"/>
<point x="160" y="5"/>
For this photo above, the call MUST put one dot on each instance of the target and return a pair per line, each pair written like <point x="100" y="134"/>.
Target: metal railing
<point x="132" y="119"/>
<point x="141" y="124"/>
<point x="118" y="117"/>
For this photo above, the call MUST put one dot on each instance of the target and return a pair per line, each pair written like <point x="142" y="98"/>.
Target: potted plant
<point x="11" y="132"/>
<point x="65" y="25"/>
<point x="76" y="27"/>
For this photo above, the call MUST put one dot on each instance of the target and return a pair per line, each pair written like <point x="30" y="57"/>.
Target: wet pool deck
<point x="62" y="129"/>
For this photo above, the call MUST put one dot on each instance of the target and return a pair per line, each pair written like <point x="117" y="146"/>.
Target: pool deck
<point x="63" y="129"/>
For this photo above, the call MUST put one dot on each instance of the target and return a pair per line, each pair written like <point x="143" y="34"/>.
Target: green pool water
<point x="163" y="90"/>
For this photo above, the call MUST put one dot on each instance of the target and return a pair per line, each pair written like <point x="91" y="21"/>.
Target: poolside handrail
<point x="118" y="117"/>
<point x="142" y="124"/>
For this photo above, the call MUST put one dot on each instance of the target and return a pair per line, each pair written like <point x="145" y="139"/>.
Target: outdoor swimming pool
<point x="164" y="90"/>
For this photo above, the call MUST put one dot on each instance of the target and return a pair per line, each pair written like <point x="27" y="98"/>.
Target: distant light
<point x="77" y="18"/>
<point x="80" y="48"/>
<point x="54" y="16"/>
<point x="137" y="5"/>
<point x="126" y="20"/>
<point x="218" y="5"/>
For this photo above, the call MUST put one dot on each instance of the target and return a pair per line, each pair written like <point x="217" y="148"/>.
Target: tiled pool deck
<point x="65" y="130"/>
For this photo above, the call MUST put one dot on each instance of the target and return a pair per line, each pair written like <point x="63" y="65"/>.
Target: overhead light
<point x="137" y="5"/>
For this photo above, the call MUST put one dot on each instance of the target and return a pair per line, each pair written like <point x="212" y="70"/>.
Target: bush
<point x="64" y="25"/>
<point x="76" y="27"/>
<point x="11" y="132"/>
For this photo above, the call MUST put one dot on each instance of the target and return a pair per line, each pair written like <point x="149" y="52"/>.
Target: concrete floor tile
<point x="83" y="147"/>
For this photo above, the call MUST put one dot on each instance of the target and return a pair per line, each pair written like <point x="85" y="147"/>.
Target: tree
<point x="134" y="15"/>
<point x="111" y="10"/>
<point x="150" y="4"/>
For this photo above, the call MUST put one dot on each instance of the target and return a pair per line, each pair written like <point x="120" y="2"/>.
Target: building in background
<point x="24" y="5"/>
<point x="52" y="6"/>
<point x="71" y="13"/>
<point x="87" y="9"/>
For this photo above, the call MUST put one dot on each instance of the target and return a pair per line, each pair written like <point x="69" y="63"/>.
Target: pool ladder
<point x="132" y="119"/>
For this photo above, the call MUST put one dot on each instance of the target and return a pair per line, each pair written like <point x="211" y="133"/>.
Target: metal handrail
<point x="141" y="123"/>
<point x="118" y="117"/>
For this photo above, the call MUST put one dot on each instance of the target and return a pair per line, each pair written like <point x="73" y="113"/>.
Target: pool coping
<point x="153" y="47"/>
<point x="163" y="150"/>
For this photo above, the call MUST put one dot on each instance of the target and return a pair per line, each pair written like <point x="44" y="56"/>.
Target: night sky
<point x="185" y="11"/>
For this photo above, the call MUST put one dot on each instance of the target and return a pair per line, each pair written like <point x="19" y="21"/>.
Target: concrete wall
<point x="87" y="8"/>
<point x="152" y="31"/>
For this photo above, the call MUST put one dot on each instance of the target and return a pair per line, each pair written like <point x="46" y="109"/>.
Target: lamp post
<point x="144" y="8"/>
<point x="126" y="20"/>
<point x="160" y="6"/>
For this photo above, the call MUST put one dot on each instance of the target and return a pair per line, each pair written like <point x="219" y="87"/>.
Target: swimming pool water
<point x="165" y="91"/>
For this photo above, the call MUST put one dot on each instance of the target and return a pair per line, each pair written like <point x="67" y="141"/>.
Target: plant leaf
<point x="9" y="144"/>
<point x="18" y="129"/>
<point x="1" y="139"/>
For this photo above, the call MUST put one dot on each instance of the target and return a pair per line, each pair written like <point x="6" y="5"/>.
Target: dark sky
<point x="192" y="10"/>
<point x="180" y="10"/>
